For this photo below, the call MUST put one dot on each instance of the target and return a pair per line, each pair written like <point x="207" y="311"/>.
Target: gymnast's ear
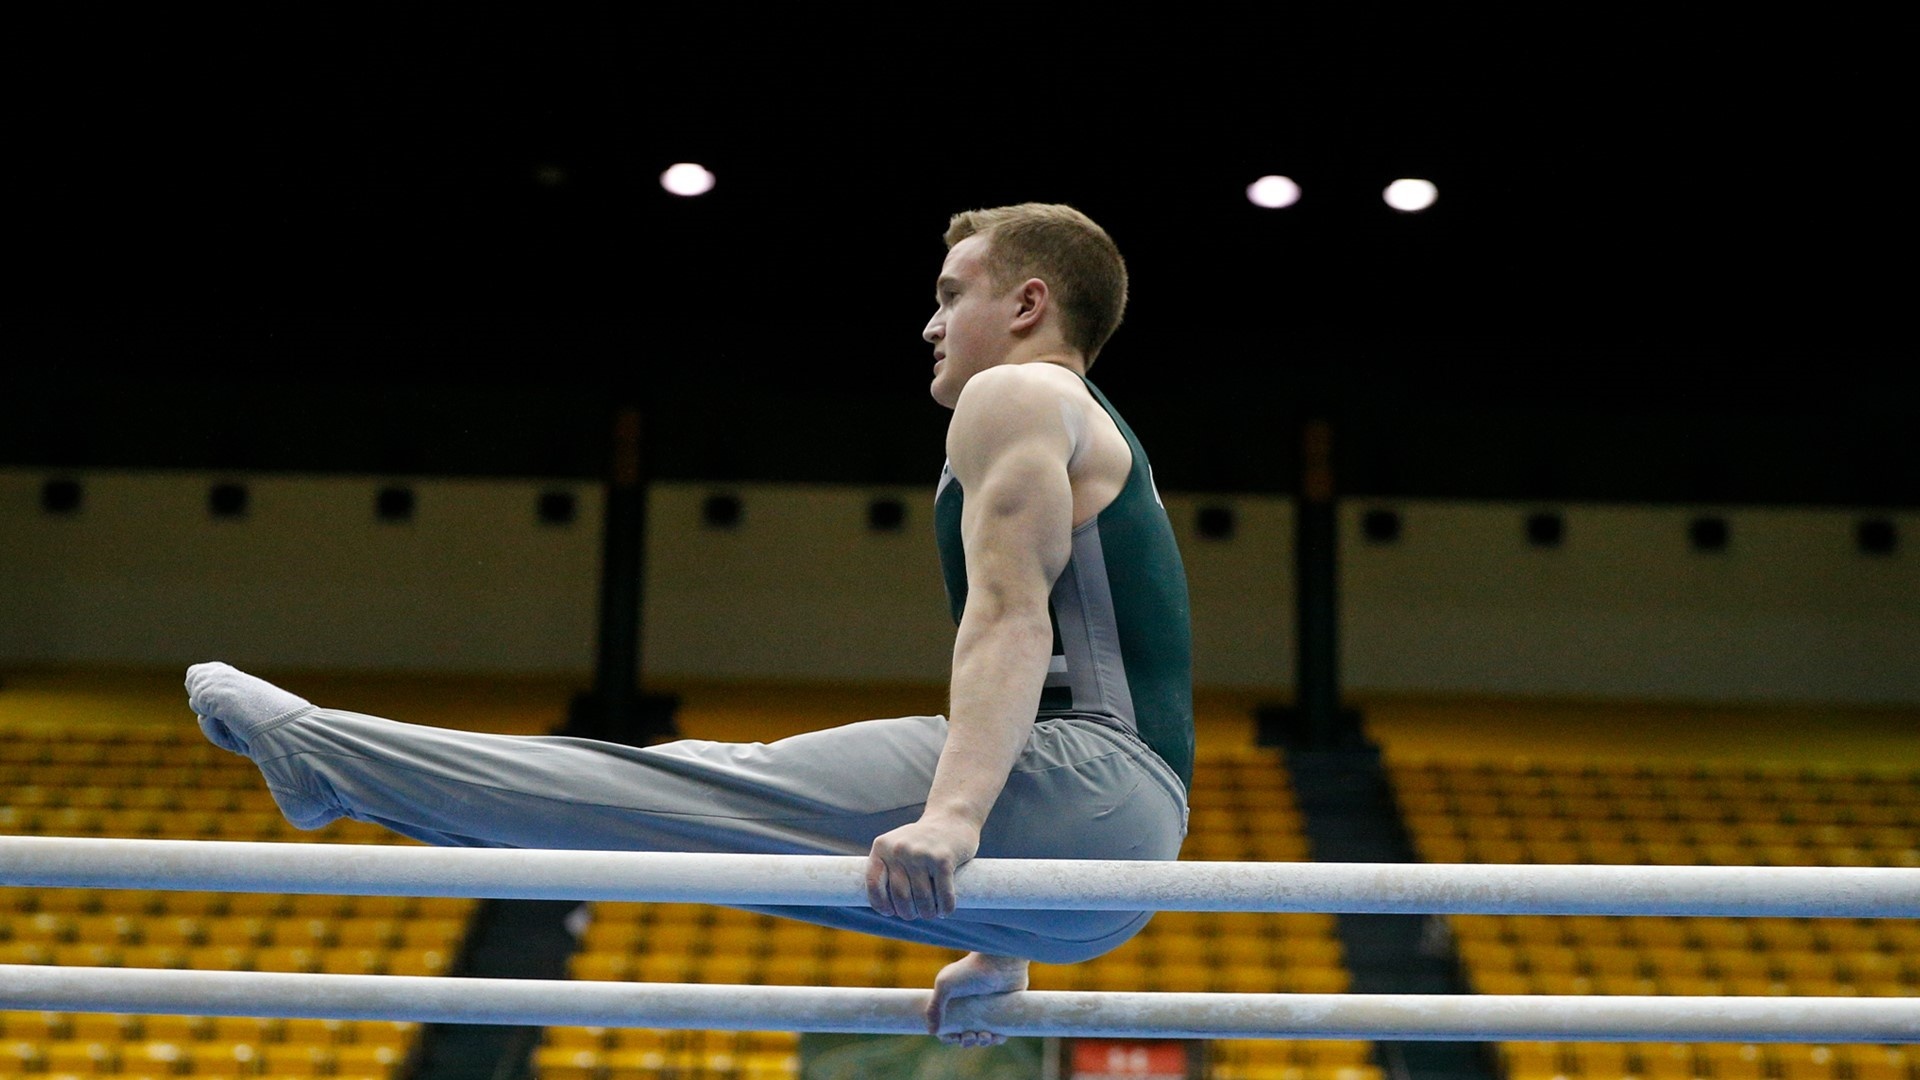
<point x="1035" y="302"/>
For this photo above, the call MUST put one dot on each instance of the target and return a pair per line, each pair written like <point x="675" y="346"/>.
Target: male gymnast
<point x="1069" y="734"/>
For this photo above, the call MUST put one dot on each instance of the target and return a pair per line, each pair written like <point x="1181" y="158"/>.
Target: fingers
<point x="908" y="887"/>
<point x="878" y="897"/>
<point x="943" y="893"/>
<point x="909" y="892"/>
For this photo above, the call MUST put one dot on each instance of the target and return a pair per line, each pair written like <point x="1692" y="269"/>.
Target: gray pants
<point x="1080" y="790"/>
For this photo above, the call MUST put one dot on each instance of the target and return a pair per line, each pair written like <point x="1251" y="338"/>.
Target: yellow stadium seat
<point x="286" y="958"/>
<point x="205" y="799"/>
<point x="444" y="907"/>
<point x="1310" y="952"/>
<point x="381" y="907"/>
<point x="1781" y="933"/>
<point x="315" y="1032"/>
<point x="576" y="1037"/>
<point x="67" y="901"/>
<point x="1601" y="1061"/>
<point x="153" y="956"/>
<point x="1654" y="932"/>
<point x="1806" y="1061"/>
<point x="174" y="1029"/>
<point x="731" y="968"/>
<point x="1243" y="923"/>
<point x="433" y="933"/>
<point x="374" y="933"/>
<point x="318" y="906"/>
<point x="86" y="955"/>
<point x="676" y="937"/>
<point x="1847" y="935"/>
<point x="667" y="967"/>
<point x="32" y="1024"/>
<point x="296" y="1059"/>
<point x="1318" y="980"/>
<point x="106" y="928"/>
<point x="301" y="932"/>
<point x="220" y="958"/>
<point x="220" y="1058"/>
<point x="182" y="931"/>
<point x="25" y="952"/>
<point x="1613" y="960"/>
<point x="364" y="1059"/>
<point x="613" y="936"/>
<point x="21" y="1056"/>
<point x="132" y="823"/>
<point x="1532" y="1060"/>
<point x="1055" y="977"/>
<point x="257" y="905"/>
<point x="857" y="971"/>
<point x="1554" y="959"/>
<point x="1477" y="927"/>
<point x="1880" y="1063"/>
<point x="1723" y="934"/>
<point x="566" y="1063"/>
<point x="1250" y="979"/>
<point x="1740" y="964"/>
<point x="1107" y="973"/>
<point x="1726" y="1061"/>
<point x="1668" y="1061"/>
<point x="601" y="967"/>
<point x="352" y="961"/>
<point x="394" y="1034"/>
<point x="79" y="1058"/>
<point x="410" y="961"/>
<point x="100" y="1027"/>
<point x="1181" y="977"/>
<point x="649" y="1039"/>
<point x="1500" y="982"/>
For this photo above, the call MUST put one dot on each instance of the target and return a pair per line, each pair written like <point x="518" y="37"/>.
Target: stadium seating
<point x="171" y="784"/>
<point x="1729" y="815"/>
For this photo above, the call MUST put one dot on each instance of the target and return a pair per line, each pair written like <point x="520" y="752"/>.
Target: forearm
<point x="999" y="667"/>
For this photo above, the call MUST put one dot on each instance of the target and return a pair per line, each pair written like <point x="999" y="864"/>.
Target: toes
<point x="972" y="1039"/>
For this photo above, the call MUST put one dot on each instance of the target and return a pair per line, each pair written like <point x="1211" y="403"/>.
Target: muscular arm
<point x="1009" y="445"/>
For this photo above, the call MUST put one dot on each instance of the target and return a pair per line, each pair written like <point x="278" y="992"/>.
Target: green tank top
<point x="1122" y="643"/>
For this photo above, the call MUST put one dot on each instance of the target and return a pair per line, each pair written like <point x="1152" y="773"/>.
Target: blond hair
<point x="1064" y="248"/>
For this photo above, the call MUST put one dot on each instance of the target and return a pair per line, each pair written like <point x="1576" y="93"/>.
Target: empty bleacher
<point x="1670" y="813"/>
<point x="169" y="783"/>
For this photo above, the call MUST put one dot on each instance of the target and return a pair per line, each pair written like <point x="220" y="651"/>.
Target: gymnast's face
<point x="971" y="326"/>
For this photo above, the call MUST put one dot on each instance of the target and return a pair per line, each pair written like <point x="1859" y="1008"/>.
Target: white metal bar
<point x="880" y="1011"/>
<point x="839" y="881"/>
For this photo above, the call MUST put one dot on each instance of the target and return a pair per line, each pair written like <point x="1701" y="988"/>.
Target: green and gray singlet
<point x="1122" y="643"/>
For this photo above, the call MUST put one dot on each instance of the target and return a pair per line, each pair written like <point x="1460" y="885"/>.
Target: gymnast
<point x="1069" y="732"/>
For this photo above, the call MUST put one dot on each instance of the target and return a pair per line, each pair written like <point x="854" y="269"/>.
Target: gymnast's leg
<point x="1078" y="792"/>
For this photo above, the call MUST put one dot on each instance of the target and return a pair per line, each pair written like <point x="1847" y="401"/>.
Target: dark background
<point x="1668" y="261"/>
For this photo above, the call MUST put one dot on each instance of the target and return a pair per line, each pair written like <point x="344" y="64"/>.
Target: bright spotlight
<point x="687" y="179"/>
<point x="1411" y="196"/>
<point x="1273" y="192"/>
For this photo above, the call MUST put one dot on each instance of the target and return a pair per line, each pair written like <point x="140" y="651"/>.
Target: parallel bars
<point x="778" y="880"/>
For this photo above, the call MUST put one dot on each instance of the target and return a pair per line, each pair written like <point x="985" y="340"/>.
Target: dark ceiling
<point x="440" y="228"/>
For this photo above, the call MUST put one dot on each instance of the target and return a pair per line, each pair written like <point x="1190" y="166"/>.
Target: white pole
<point x="878" y="1011"/>
<point x="839" y="881"/>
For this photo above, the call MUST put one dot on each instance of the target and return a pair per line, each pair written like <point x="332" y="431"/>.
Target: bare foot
<point x="973" y="975"/>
